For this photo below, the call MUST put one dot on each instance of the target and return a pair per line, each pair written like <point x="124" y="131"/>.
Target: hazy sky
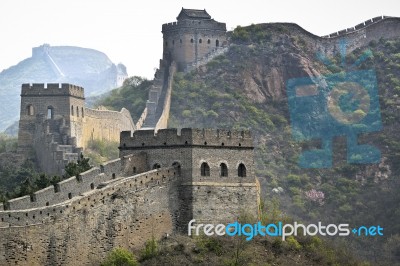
<point x="129" y="31"/>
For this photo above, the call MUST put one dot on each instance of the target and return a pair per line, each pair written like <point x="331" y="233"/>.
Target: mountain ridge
<point x="85" y="67"/>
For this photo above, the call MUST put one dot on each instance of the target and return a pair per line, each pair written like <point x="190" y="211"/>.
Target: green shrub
<point x="150" y="250"/>
<point x="293" y="243"/>
<point x="120" y="257"/>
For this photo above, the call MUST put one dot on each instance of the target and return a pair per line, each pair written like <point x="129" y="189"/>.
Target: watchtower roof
<point x="193" y="14"/>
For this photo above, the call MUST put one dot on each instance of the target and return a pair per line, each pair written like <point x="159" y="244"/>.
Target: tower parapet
<point x="52" y="89"/>
<point x="187" y="137"/>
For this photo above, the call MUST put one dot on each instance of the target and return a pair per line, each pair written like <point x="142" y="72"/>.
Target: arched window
<point x="77" y="111"/>
<point x="156" y="166"/>
<point x="200" y="40"/>
<point x="242" y="170"/>
<point x="70" y="195"/>
<point x="180" y="40"/>
<point x="82" y="112"/>
<point x="50" y="112"/>
<point x="205" y="169"/>
<point x="72" y="110"/>
<point x="209" y="41"/>
<point x="223" y="170"/>
<point x="91" y="186"/>
<point x="134" y="170"/>
<point x="191" y="40"/>
<point x="216" y="43"/>
<point x="29" y="110"/>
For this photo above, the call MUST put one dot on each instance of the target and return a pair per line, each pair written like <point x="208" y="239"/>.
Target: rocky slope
<point x="246" y="88"/>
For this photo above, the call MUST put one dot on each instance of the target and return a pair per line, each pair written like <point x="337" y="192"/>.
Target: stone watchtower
<point x="194" y="36"/>
<point x="216" y="168"/>
<point x="50" y="114"/>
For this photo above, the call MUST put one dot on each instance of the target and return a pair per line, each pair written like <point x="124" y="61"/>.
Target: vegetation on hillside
<point x="26" y="179"/>
<point x="214" y="96"/>
<point x="178" y="249"/>
<point x="132" y="96"/>
<point x="218" y="96"/>
<point x="100" y="151"/>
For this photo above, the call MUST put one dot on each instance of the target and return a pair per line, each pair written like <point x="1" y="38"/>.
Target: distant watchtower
<point x="192" y="37"/>
<point x="60" y="105"/>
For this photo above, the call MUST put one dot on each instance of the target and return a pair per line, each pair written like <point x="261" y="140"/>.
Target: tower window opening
<point x="156" y="166"/>
<point x="50" y="112"/>
<point x="180" y="40"/>
<point x="223" y="170"/>
<point x="191" y="40"/>
<point x="29" y="110"/>
<point x="82" y="112"/>
<point x="72" y="110"/>
<point x="200" y="40"/>
<point x="217" y="43"/>
<point x="209" y="41"/>
<point x="205" y="169"/>
<point x="77" y="111"/>
<point x="242" y="170"/>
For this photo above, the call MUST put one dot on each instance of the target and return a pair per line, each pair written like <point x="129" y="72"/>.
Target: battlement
<point x="52" y="89"/>
<point x="44" y="214"/>
<point x="360" y="26"/>
<point x="187" y="137"/>
<point x="208" y="24"/>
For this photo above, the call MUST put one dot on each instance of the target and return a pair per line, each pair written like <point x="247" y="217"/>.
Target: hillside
<point x="246" y="88"/>
<point x="88" y="68"/>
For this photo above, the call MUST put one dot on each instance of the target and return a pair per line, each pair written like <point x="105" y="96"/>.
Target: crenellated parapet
<point x="52" y="89"/>
<point x="87" y="198"/>
<point x="360" y="26"/>
<point x="84" y="182"/>
<point x="186" y="136"/>
<point x="191" y="25"/>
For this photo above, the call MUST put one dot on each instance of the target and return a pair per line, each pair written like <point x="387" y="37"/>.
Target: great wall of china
<point x="163" y="178"/>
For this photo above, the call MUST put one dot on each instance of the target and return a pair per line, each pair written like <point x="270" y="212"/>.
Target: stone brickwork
<point x="164" y="116"/>
<point x="82" y="230"/>
<point x="192" y="38"/>
<point x="55" y="123"/>
<point x="210" y="196"/>
<point x="155" y="188"/>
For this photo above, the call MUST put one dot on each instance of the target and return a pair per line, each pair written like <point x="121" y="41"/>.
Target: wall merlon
<point x="111" y="168"/>
<point x="52" y="89"/>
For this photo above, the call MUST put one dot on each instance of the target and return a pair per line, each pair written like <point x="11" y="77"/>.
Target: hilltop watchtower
<point x="216" y="169"/>
<point x="61" y="105"/>
<point x="194" y="36"/>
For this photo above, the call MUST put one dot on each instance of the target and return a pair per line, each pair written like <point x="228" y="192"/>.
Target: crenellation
<point x="187" y="136"/>
<point x="111" y="168"/>
<point x="52" y="89"/>
<point x="43" y="214"/>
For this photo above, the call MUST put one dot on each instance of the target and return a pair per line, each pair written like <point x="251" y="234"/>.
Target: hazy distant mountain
<point x="88" y="68"/>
